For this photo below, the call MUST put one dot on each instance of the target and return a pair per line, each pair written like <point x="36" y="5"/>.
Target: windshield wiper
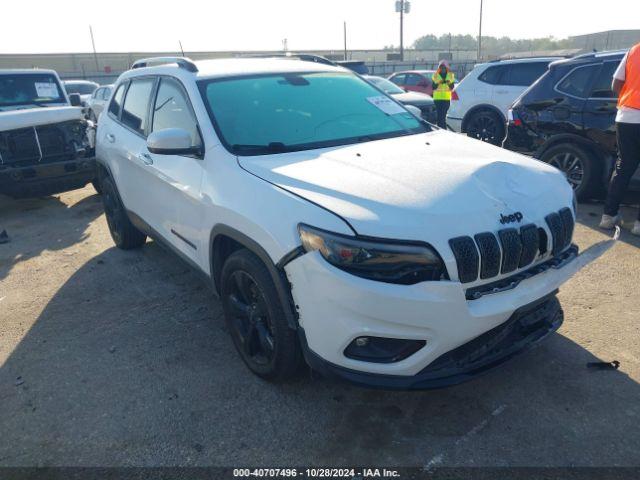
<point x="272" y="147"/>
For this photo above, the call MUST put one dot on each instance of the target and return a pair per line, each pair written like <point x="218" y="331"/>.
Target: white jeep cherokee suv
<point x="333" y="224"/>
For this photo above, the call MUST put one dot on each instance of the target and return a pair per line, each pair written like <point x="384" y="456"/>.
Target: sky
<point x="144" y="25"/>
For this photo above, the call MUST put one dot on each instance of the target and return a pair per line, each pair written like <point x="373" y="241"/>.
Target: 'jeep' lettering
<point x="515" y="217"/>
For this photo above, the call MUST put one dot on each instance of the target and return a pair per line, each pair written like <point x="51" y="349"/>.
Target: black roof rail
<point x="183" y="62"/>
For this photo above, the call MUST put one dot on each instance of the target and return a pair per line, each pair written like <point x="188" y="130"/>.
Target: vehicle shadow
<point x="130" y="364"/>
<point x="39" y="224"/>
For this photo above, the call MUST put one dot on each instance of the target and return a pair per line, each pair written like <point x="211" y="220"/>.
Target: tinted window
<point x="266" y="114"/>
<point x="29" y="89"/>
<point x="135" y="110"/>
<point x="80" y="88"/>
<point x="492" y="75"/>
<point x="173" y="110"/>
<point x="602" y="87"/>
<point x="524" y="74"/>
<point x="413" y="79"/>
<point x="578" y="81"/>
<point x="116" y="103"/>
<point x="398" y="79"/>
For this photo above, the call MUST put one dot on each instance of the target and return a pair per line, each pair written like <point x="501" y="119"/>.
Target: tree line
<point x="490" y="45"/>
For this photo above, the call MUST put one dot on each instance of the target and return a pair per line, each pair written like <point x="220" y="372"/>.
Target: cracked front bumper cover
<point x="525" y="328"/>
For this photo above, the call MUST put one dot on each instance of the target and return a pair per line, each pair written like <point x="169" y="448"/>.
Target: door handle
<point x="145" y="158"/>
<point x="111" y="138"/>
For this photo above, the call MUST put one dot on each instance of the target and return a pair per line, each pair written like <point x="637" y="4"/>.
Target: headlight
<point x="374" y="259"/>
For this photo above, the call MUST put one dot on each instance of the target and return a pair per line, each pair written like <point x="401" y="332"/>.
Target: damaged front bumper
<point x="46" y="159"/>
<point x="463" y="336"/>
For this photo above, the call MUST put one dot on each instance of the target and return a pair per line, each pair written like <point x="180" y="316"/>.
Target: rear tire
<point x="579" y="166"/>
<point x="256" y="318"/>
<point x="486" y="125"/>
<point x="124" y="234"/>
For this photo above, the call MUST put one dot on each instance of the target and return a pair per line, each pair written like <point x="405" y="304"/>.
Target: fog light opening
<point x="382" y="350"/>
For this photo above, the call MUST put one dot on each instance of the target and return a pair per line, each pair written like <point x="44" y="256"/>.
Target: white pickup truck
<point x="46" y="144"/>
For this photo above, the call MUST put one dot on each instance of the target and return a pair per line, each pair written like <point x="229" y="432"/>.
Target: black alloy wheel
<point x="487" y="126"/>
<point x="256" y="319"/>
<point x="250" y="320"/>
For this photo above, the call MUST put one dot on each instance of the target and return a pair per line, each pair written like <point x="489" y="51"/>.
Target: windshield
<point x="263" y="114"/>
<point x="385" y="85"/>
<point x="29" y="89"/>
<point x="80" y="88"/>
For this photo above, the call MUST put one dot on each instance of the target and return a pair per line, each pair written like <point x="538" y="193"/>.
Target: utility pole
<point x="402" y="30"/>
<point x="480" y="34"/>
<point x="93" y="43"/>
<point x="345" y="41"/>
<point x="402" y="6"/>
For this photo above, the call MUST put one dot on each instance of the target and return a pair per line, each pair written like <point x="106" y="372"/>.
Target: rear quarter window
<point x="525" y="74"/>
<point x="578" y="82"/>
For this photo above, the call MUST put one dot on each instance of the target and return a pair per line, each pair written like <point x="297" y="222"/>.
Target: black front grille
<point x="513" y="248"/>
<point x="42" y="144"/>
<point x="530" y="244"/>
<point x="489" y="254"/>
<point x="467" y="258"/>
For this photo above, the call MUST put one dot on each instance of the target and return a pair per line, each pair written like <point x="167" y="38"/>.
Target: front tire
<point x="579" y="167"/>
<point x="256" y="318"/>
<point x="486" y="125"/>
<point x="124" y="234"/>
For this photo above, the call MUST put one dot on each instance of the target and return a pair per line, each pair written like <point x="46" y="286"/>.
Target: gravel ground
<point x="112" y="358"/>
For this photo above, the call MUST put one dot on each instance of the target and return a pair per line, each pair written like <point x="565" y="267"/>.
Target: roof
<point x="16" y="71"/>
<point x="230" y="67"/>
<point x="86" y="82"/>
<point x="415" y="71"/>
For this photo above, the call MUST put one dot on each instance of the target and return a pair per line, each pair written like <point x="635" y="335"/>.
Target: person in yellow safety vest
<point x="443" y="81"/>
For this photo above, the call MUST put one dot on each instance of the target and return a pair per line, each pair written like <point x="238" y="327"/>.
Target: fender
<point x="483" y="106"/>
<point x="277" y="274"/>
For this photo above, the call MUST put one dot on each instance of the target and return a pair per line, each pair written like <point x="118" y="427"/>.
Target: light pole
<point x="480" y="34"/>
<point x="402" y="6"/>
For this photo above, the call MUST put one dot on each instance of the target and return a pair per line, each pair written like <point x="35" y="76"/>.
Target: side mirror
<point x="171" y="141"/>
<point x="75" y="100"/>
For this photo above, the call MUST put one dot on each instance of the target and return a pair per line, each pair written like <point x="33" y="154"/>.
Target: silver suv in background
<point x="485" y="95"/>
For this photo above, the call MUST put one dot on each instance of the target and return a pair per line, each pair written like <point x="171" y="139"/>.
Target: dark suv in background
<point x="567" y="119"/>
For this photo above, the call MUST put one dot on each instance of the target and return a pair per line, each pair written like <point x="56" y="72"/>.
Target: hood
<point x="428" y="187"/>
<point x="32" y="117"/>
<point x="413" y="98"/>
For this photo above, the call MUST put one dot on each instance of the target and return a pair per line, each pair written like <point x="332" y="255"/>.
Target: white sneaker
<point x="609" y="223"/>
<point x="636" y="228"/>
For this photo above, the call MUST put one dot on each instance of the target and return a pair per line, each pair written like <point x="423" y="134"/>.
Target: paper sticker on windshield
<point x="387" y="105"/>
<point x="47" y="90"/>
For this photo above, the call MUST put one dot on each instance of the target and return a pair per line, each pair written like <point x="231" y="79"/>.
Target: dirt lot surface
<point x="117" y="358"/>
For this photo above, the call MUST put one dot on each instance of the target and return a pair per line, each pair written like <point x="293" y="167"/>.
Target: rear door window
<point x="116" y="103"/>
<point x="578" y="82"/>
<point x="525" y="74"/>
<point x="602" y="85"/>
<point x="135" y="111"/>
<point x="413" y="79"/>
